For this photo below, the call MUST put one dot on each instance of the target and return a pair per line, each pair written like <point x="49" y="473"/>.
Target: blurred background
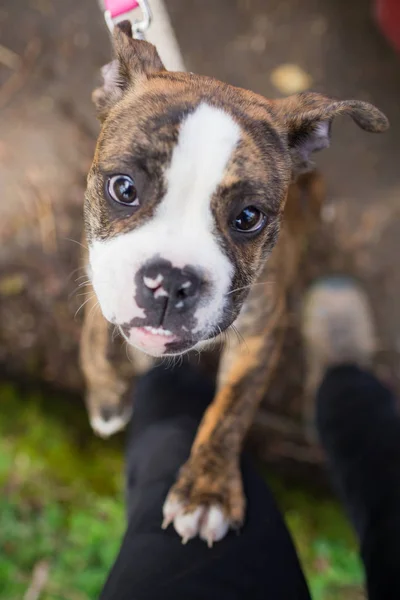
<point x="61" y="489"/>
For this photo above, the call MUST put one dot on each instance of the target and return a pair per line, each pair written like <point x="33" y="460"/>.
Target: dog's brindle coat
<point x="199" y="152"/>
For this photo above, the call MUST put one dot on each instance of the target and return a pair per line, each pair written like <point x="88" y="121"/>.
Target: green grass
<point x="77" y="546"/>
<point x="60" y="499"/>
<point x="61" y="508"/>
<point x="325" y="543"/>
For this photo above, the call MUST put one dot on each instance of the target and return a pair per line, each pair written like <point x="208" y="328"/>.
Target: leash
<point x="139" y="13"/>
<point x="119" y="10"/>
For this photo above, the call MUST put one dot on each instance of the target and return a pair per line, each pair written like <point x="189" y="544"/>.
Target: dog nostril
<point x="185" y="290"/>
<point x="155" y="286"/>
<point x="162" y="287"/>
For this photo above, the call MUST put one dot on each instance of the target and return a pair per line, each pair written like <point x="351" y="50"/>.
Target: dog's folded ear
<point x="307" y="118"/>
<point x="134" y="60"/>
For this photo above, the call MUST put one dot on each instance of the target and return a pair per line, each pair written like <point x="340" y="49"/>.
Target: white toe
<point x="172" y="507"/>
<point x="208" y="523"/>
<point x="105" y="429"/>
<point x="214" y="525"/>
<point x="187" y="525"/>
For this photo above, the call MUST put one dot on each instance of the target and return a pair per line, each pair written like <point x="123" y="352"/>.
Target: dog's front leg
<point x="109" y="409"/>
<point x="208" y="497"/>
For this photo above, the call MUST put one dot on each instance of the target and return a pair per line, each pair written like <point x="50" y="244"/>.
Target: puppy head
<point x="186" y="192"/>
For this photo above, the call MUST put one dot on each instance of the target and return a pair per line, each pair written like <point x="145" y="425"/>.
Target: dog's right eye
<point x="121" y="188"/>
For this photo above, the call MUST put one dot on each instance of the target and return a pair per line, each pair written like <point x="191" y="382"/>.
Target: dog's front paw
<point x="109" y="408"/>
<point x="207" y="499"/>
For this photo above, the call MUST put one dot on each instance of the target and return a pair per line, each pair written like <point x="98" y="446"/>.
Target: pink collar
<point x="117" y="8"/>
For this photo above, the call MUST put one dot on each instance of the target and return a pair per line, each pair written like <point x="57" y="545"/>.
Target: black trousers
<point x="361" y="433"/>
<point x="359" y="426"/>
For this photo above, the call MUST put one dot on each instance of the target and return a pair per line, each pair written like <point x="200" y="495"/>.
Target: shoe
<point x="337" y="327"/>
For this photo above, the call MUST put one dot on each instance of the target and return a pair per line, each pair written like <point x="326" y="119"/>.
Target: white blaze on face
<point x="182" y="229"/>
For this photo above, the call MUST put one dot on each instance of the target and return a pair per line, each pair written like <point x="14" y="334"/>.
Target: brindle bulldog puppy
<point x="183" y="209"/>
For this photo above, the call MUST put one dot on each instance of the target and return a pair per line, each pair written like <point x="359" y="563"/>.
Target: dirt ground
<point x="50" y="55"/>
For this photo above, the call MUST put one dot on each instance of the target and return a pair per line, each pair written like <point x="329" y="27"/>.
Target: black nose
<point x="165" y="291"/>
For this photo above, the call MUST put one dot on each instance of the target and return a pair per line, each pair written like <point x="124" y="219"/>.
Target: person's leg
<point x="359" y="426"/>
<point x="259" y="562"/>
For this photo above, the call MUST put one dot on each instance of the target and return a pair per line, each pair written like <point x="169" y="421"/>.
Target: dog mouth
<point x="156" y="341"/>
<point x="155" y="331"/>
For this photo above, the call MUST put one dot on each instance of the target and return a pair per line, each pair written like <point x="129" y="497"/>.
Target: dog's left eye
<point x="249" y="220"/>
<point x="122" y="189"/>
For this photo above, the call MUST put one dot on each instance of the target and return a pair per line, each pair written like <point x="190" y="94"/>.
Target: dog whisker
<point x="127" y="353"/>
<point x="83" y="294"/>
<point x="76" y="242"/>
<point x="81" y="285"/>
<point x="92" y="311"/>
<point x="116" y="332"/>
<point x="84" y="283"/>
<point x="75" y="271"/>
<point x="81" y="277"/>
<point x="239" y="336"/>
<point x="170" y="362"/>
<point x="198" y="355"/>
<point x="251" y="285"/>
<point x="83" y="304"/>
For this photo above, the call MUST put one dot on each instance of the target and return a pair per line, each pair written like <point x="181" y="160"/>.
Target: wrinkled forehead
<point x="200" y="114"/>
